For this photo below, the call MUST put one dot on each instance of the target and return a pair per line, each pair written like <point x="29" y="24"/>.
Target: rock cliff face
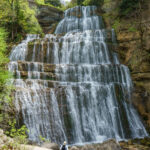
<point x="133" y="35"/>
<point x="47" y="16"/>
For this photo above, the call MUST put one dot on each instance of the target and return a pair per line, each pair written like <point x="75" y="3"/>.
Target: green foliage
<point x="27" y="19"/>
<point x="71" y="4"/>
<point x="17" y="17"/>
<point x="74" y="3"/>
<point x="93" y="2"/>
<point x="40" y="2"/>
<point x="116" y="24"/>
<point x="132" y="29"/>
<point x="4" y="74"/>
<point x="128" y="6"/>
<point x="55" y="3"/>
<point x="12" y="146"/>
<point x="42" y="139"/>
<point x="80" y="2"/>
<point x="6" y="105"/>
<point x="18" y="134"/>
<point x="6" y="13"/>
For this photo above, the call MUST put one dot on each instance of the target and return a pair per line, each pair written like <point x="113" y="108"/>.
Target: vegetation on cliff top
<point x="125" y="7"/>
<point x="18" y="19"/>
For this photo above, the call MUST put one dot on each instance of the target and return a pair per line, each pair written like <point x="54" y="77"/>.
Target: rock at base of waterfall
<point x="30" y="147"/>
<point x="136" y="144"/>
<point x="4" y="140"/>
<point x="108" y="145"/>
<point x="74" y="148"/>
<point x="49" y="145"/>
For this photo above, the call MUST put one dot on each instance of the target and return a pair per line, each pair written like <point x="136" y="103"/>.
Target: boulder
<point x="108" y="145"/>
<point x="74" y="148"/>
<point x="47" y="16"/>
<point x="29" y="147"/>
<point x="49" y="145"/>
<point x="1" y="141"/>
<point x="1" y="132"/>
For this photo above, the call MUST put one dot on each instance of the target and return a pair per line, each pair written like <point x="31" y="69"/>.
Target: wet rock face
<point x="134" y="51"/>
<point x="5" y="141"/>
<point x="135" y="144"/>
<point x="136" y="55"/>
<point x="47" y="16"/>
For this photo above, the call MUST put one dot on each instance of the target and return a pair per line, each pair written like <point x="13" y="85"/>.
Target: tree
<point x="93" y="2"/>
<point x="18" y="18"/>
<point x="128" y="6"/>
<point x="4" y="77"/>
<point x="56" y="3"/>
<point x="80" y="2"/>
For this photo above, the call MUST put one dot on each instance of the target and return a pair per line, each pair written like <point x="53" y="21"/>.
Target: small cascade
<point x="71" y="86"/>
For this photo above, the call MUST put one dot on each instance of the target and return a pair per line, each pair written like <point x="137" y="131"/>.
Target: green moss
<point x="132" y="29"/>
<point x="116" y="24"/>
<point x="93" y="2"/>
<point x="39" y="2"/>
<point x="50" y="5"/>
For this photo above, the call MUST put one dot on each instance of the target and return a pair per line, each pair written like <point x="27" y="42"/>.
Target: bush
<point x="27" y="19"/>
<point x="71" y="4"/>
<point x="19" y="135"/>
<point x="93" y="2"/>
<point x="80" y="2"/>
<point x="4" y="74"/>
<point x="18" y="18"/>
<point x="128" y="6"/>
<point x="55" y="3"/>
<point x="40" y="1"/>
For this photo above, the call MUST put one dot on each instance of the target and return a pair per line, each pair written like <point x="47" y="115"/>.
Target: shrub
<point x="128" y="6"/>
<point x="40" y="1"/>
<point x="27" y="19"/>
<point x="17" y="17"/>
<point x="19" y="135"/>
<point x="93" y="2"/>
<point x="55" y="3"/>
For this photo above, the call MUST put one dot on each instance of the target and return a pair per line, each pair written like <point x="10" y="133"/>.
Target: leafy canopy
<point x="4" y="75"/>
<point x="92" y="2"/>
<point x="74" y="3"/>
<point x="18" y="18"/>
<point x="55" y="3"/>
<point x="128" y="6"/>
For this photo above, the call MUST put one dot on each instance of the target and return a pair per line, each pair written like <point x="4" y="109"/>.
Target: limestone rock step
<point x="103" y="73"/>
<point x="35" y="75"/>
<point x="47" y="67"/>
<point x="52" y="52"/>
<point x="46" y="85"/>
<point x="141" y="76"/>
<point x="32" y="66"/>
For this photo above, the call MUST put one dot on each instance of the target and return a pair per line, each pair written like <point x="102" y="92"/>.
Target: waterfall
<point x="71" y="86"/>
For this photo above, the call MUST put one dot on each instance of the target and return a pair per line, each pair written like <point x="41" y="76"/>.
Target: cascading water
<point x="72" y="87"/>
